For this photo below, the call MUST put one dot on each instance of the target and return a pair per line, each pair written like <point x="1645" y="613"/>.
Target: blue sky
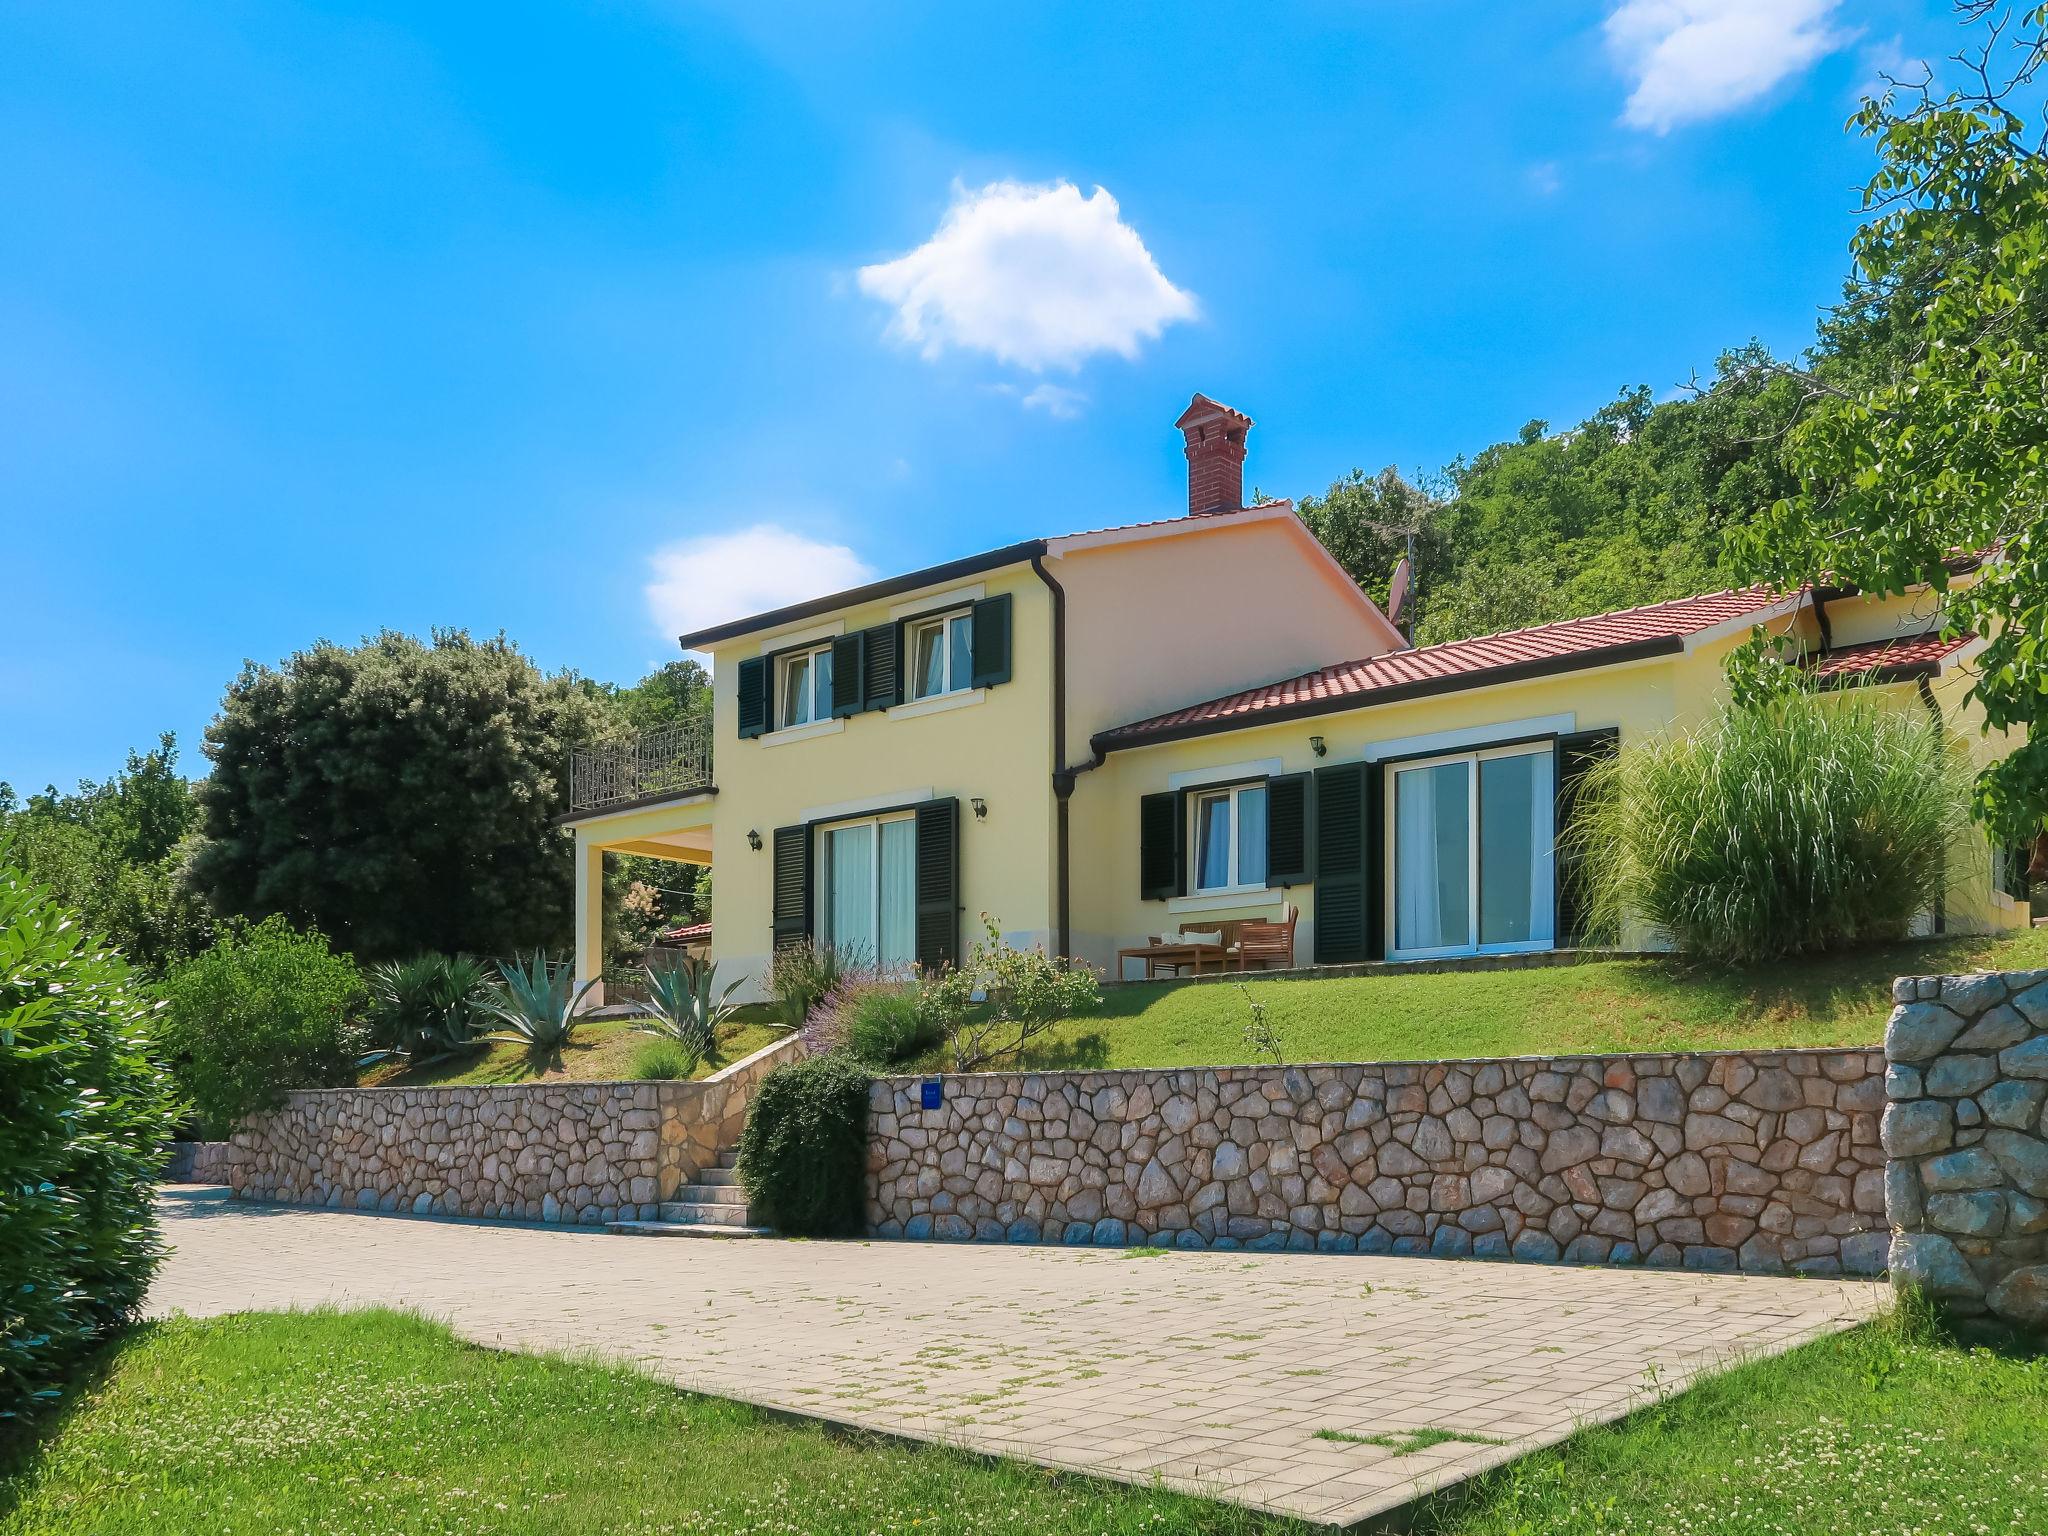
<point x="590" y="322"/>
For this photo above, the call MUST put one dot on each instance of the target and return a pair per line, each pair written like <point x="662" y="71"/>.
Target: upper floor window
<point x="1228" y="836"/>
<point x="803" y="691"/>
<point x="941" y="654"/>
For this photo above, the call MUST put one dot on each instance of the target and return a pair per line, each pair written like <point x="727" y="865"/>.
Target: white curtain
<point x="851" y="875"/>
<point x="1432" y="849"/>
<point x="897" y="945"/>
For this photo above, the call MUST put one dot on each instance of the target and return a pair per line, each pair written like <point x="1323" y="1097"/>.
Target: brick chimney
<point x="1215" y="438"/>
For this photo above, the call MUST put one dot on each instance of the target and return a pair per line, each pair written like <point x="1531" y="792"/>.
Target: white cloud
<point x="1545" y="178"/>
<point x="1695" y="59"/>
<point x="1037" y="276"/>
<point x="1056" y="401"/>
<point x="700" y="582"/>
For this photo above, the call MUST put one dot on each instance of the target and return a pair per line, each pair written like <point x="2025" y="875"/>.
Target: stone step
<point x="719" y="1177"/>
<point x="684" y="1229"/>
<point x="729" y="1157"/>
<point x="713" y="1212"/>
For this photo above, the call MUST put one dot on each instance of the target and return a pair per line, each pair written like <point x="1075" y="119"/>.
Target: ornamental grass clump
<point x="1808" y="822"/>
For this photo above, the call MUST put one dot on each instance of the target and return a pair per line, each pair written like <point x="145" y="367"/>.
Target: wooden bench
<point x="1239" y="942"/>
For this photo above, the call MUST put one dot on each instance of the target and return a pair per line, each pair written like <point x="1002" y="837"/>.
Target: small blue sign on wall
<point x="933" y="1093"/>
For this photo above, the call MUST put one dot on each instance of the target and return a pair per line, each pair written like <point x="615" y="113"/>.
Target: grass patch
<point x="603" y="1051"/>
<point x="1406" y="1442"/>
<point x="331" y="1424"/>
<point x="1885" y="1429"/>
<point x="1607" y="1005"/>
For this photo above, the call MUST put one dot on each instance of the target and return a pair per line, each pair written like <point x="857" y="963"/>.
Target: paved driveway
<point x="1210" y="1372"/>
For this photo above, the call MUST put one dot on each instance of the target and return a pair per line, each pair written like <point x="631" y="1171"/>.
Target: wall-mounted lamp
<point x="1317" y="745"/>
<point x="753" y="840"/>
<point x="980" y="808"/>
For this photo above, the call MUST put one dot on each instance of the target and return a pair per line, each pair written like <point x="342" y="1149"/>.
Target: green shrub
<point x="267" y="1009"/>
<point x="662" y="1061"/>
<point x="802" y="975"/>
<point x="804" y="1153"/>
<point x="881" y="1023"/>
<point x="1002" y="999"/>
<point x="1805" y="822"/>
<point x="85" y="1121"/>
<point x="686" y="1005"/>
<point x="430" y="1006"/>
<point x="538" y="1005"/>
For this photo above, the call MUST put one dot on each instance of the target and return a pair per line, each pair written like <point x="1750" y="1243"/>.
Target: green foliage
<point x="115" y="853"/>
<point x="1003" y="998"/>
<point x="888" y="1026"/>
<point x="267" y="1009"/>
<point x="1261" y="1040"/>
<point x="686" y="1006"/>
<point x="85" y="1118"/>
<point x="1810" y="822"/>
<point x="801" y="975"/>
<point x="803" y="1155"/>
<point x="538" y="1004"/>
<point x="1944" y="453"/>
<point x="429" y="1006"/>
<point x="663" y="1061"/>
<point x="397" y="795"/>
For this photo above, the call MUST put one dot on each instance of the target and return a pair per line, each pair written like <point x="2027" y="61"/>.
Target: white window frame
<point x="944" y="623"/>
<point x="1392" y="873"/>
<point x="821" y="865"/>
<point x="1236" y="885"/>
<point x="819" y="715"/>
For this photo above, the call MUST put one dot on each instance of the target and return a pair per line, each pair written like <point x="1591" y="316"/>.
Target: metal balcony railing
<point x="669" y="760"/>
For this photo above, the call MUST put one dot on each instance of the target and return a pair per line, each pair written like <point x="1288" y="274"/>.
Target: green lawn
<point x="602" y="1051"/>
<point x="1611" y="1005"/>
<point x="327" y="1425"/>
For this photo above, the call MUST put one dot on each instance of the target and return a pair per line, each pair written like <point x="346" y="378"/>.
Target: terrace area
<point x="665" y="763"/>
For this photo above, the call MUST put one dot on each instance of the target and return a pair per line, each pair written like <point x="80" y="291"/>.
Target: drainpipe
<point x="1062" y="776"/>
<point x="1941" y="891"/>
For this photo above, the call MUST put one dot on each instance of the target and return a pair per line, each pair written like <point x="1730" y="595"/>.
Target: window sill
<point x="1219" y="901"/>
<point x="795" y="733"/>
<point x="937" y="704"/>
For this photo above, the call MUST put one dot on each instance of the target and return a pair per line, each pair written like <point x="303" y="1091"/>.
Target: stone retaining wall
<point x="1760" y="1161"/>
<point x="564" y="1151"/>
<point x="1967" y="1130"/>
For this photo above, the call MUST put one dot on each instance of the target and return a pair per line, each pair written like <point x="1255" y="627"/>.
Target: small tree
<point x="1003" y="998"/>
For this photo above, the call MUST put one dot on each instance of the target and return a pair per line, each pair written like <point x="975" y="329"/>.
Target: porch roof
<point x="1902" y="659"/>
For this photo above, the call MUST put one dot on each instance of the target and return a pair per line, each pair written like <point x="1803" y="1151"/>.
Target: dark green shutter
<point x="849" y="674"/>
<point x="1288" y="830"/>
<point x="1162" y="835"/>
<point x="879" y="675"/>
<point x="791" y="908"/>
<point x="1346" y="876"/>
<point x="938" y="884"/>
<point x="1576" y="757"/>
<point x="754" y="687"/>
<point x="992" y="641"/>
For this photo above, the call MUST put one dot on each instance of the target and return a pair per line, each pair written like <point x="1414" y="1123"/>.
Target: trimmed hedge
<point x="804" y="1153"/>
<point x="86" y="1118"/>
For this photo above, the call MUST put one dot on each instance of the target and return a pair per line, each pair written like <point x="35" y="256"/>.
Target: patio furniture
<point x="1240" y="942"/>
<point x="1270" y="944"/>
<point x="1172" y="955"/>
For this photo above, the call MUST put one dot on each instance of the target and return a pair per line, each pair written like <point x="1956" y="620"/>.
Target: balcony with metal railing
<point x="665" y="763"/>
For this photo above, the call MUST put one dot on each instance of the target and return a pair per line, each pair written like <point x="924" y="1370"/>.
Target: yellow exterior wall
<point x="999" y="749"/>
<point x="1162" y="623"/>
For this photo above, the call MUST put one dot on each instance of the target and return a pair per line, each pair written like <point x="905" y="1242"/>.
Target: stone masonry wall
<point x="567" y="1151"/>
<point x="1967" y="1131"/>
<point x="1756" y="1161"/>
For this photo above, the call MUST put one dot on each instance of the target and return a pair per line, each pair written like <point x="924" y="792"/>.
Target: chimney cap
<point x="1202" y="408"/>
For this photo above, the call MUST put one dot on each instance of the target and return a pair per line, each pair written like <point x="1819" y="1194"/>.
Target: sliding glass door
<point x="867" y="889"/>
<point x="1471" y="837"/>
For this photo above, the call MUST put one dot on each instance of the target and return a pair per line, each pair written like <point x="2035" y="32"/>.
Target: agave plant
<point x="538" y="1007"/>
<point x="686" y="1006"/>
<point x="428" y="1007"/>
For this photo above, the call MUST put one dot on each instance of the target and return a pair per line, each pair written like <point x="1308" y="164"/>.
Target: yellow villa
<point x="1105" y="736"/>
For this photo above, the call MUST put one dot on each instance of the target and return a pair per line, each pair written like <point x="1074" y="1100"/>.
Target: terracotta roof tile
<point x="1357" y="684"/>
<point x="1907" y="656"/>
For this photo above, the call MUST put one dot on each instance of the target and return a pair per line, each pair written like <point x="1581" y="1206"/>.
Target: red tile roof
<point x="1601" y="640"/>
<point x="689" y="933"/>
<point x="1901" y="659"/>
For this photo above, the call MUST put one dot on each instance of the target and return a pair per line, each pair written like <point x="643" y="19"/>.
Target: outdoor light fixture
<point x="753" y="840"/>
<point x="980" y="808"/>
<point x="1317" y="745"/>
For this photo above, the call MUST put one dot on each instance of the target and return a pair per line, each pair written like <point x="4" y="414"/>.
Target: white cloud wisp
<point x="1695" y="59"/>
<point x="1036" y="276"/>
<point x="696" y="583"/>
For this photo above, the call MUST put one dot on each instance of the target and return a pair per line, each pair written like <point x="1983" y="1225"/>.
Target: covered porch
<point x="651" y="795"/>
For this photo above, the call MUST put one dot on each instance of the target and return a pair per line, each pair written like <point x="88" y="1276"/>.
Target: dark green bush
<point x="1808" y="822"/>
<point x="86" y="1117"/>
<point x="887" y="1026"/>
<point x="430" y="1006"/>
<point x="266" y="1010"/>
<point x="804" y="1153"/>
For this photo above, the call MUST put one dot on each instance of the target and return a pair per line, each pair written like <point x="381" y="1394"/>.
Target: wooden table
<point x="1173" y="957"/>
